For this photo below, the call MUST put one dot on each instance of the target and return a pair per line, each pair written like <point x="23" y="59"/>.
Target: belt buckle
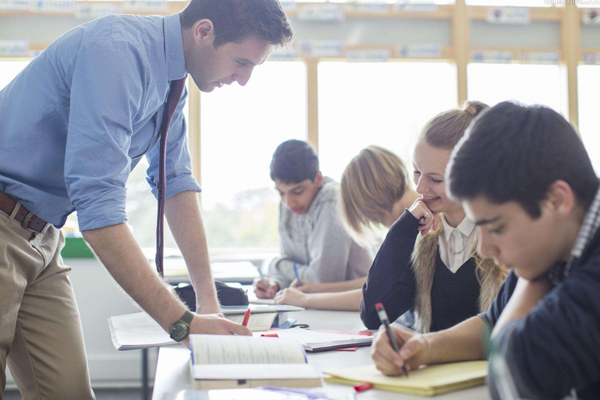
<point x="26" y="222"/>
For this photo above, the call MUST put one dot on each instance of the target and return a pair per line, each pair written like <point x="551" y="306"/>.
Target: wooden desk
<point x="173" y="371"/>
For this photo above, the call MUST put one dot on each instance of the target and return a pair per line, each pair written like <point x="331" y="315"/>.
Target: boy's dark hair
<point x="236" y="20"/>
<point x="514" y="153"/>
<point x="294" y="161"/>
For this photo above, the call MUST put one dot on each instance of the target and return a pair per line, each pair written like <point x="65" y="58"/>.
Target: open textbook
<point x="427" y="381"/>
<point x="241" y="361"/>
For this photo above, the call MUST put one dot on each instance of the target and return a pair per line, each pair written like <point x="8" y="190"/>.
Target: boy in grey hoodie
<point x="313" y="240"/>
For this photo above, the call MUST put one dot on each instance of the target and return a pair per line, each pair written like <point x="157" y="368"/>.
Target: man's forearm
<point x="185" y="221"/>
<point x="124" y="260"/>
<point x="462" y="342"/>
<point x="526" y="296"/>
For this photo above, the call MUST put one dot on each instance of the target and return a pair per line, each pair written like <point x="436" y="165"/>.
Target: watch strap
<point x="187" y="317"/>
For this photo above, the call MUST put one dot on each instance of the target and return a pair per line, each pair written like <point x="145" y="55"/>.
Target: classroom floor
<point x="101" y="394"/>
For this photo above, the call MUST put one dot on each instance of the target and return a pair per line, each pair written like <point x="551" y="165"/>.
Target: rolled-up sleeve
<point x="106" y="94"/>
<point x="179" y="162"/>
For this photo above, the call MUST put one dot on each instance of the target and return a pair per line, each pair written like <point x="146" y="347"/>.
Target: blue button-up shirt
<point x="78" y="118"/>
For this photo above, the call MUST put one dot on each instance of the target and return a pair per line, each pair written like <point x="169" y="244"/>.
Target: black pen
<point x="386" y="322"/>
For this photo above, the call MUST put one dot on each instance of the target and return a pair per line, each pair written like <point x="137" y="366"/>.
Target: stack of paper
<point x="427" y="381"/>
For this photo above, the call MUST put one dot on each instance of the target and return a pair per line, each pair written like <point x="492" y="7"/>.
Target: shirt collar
<point x="174" y="48"/>
<point x="465" y="227"/>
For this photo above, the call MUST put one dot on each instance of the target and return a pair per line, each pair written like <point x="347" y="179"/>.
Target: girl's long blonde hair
<point x="372" y="183"/>
<point x="444" y="131"/>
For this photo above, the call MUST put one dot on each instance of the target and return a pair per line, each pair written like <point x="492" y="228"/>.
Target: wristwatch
<point x="181" y="328"/>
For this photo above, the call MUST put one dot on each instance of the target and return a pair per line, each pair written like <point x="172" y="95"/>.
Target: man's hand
<point x="292" y="297"/>
<point x="413" y="348"/>
<point x="427" y="219"/>
<point x="212" y="324"/>
<point x="265" y="288"/>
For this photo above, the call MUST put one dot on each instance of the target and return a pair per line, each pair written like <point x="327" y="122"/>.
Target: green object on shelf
<point x="76" y="247"/>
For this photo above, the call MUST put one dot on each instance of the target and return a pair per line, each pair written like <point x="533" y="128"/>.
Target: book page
<point x="245" y="371"/>
<point x="306" y="336"/>
<point x="257" y="322"/>
<point x="217" y="349"/>
<point x="137" y="331"/>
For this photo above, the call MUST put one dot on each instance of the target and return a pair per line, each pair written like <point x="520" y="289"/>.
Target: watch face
<point x="179" y="331"/>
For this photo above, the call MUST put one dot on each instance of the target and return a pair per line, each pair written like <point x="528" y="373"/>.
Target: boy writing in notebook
<point x="525" y="179"/>
<point x="314" y="244"/>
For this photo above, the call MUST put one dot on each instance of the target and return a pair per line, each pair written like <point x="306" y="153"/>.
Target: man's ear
<point x="561" y="198"/>
<point x="204" y="31"/>
<point x="319" y="179"/>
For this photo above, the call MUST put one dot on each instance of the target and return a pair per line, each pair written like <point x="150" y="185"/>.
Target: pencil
<point x="296" y="272"/>
<point x="386" y="322"/>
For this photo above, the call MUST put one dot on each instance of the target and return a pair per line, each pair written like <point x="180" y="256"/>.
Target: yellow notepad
<point x="427" y="381"/>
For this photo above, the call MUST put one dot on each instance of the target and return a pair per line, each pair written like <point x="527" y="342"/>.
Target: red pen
<point x="246" y="318"/>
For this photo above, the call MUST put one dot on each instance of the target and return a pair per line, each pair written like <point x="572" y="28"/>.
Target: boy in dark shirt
<point x="523" y="176"/>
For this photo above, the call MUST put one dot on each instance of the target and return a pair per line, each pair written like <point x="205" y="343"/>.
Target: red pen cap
<point x="363" y="387"/>
<point x="378" y="305"/>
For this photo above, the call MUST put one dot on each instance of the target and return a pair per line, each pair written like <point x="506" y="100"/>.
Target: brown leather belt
<point x="26" y="218"/>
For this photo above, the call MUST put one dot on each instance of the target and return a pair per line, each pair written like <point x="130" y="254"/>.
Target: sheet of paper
<point x="262" y="301"/>
<point x="217" y="349"/>
<point x="137" y="331"/>
<point x="258" y="322"/>
<point x="306" y="336"/>
<point x="256" y="308"/>
<point x="429" y="380"/>
<point x="245" y="371"/>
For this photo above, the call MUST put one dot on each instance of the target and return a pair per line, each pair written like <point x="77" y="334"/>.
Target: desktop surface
<point x="173" y="373"/>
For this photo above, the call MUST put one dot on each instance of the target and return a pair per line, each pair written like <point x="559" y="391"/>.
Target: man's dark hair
<point x="514" y="153"/>
<point x="236" y="20"/>
<point x="294" y="161"/>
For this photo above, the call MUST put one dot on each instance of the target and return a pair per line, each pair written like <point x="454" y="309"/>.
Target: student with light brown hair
<point x="437" y="275"/>
<point x="374" y="192"/>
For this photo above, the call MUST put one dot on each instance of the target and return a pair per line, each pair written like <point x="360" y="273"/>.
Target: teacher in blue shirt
<point x="73" y="125"/>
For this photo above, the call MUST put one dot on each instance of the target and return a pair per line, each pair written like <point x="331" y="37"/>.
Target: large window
<point x="385" y="104"/>
<point x="529" y="84"/>
<point x="241" y="127"/>
<point x="589" y="98"/>
<point x="9" y="70"/>
<point x="513" y="3"/>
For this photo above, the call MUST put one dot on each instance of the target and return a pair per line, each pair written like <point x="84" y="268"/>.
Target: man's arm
<point x="527" y="295"/>
<point x="185" y="220"/>
<point x="123" y="258"/>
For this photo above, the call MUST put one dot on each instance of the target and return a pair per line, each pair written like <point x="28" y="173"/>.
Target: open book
<point x="220" y="362"/>
<point x="427" y="381"/>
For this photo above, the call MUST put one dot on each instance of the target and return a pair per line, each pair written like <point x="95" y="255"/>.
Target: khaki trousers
<point x="41" y="338"/>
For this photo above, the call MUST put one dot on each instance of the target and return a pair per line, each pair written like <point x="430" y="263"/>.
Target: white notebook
<point x="241" y="361"/>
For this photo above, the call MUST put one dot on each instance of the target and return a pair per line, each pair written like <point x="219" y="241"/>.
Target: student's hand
<point x="292" y="297"/>
<point x="265" y="288"/>
<point x="413" y="348"/>
<point x="213" y="324"/>
<point x="420" y="210"/>
<point x="306" y="286"/>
